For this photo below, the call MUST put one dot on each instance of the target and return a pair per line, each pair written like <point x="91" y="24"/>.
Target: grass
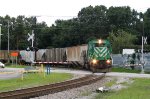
<point x="120" y="69"/>
<point x="32" y="79"/>
<point x="140" y="89"/>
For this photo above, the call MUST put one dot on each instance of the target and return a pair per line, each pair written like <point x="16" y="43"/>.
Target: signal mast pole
<point x="8" y="44"/>
<point x="142" y="65"/>
<point x="35" y="44"/>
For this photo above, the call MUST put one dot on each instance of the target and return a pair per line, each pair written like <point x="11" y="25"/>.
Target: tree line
<point x="121" y="25"/>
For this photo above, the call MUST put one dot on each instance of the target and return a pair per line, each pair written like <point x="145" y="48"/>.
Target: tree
<point x="93" y="22"/>
<point x="64" y="33"/>
<point x="19" y="32"/>
<point x="119" y="17"/>
<point x="120" y="39"/>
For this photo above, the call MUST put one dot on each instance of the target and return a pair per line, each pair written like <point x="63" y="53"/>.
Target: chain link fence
<point x="120" y="60"/>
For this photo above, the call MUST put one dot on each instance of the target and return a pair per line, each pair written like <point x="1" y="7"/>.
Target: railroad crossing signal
<point x="31" y="37"/>
<point x="145" y="40"/>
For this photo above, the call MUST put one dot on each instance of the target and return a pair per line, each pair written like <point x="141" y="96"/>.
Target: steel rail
<point x="50" y="89"/>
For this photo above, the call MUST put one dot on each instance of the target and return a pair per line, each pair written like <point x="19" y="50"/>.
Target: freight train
<point x="95" y="56"/>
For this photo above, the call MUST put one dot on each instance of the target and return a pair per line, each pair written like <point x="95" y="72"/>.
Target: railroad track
<point x="50" y="89"/>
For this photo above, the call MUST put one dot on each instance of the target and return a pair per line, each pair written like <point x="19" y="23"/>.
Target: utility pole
<point x="8" y="44"/>
<point x="35" y="43"/>
<point x="0" y="40"/>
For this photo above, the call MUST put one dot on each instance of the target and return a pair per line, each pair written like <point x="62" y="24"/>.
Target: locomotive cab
<point x="99" y="54"/>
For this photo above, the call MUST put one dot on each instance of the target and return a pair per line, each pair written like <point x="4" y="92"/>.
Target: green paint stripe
<point x="104" y="51"/>
<point x="106" y="54"/>
<point x="97" y="50"/>
<point x="100" y="51"/>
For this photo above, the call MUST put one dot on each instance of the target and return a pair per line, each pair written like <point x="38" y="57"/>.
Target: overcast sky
<point x="50" y="10"/>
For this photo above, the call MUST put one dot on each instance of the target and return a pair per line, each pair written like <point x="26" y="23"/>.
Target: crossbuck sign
<point x="145" y="40"/>
<point x="31" y="37"/>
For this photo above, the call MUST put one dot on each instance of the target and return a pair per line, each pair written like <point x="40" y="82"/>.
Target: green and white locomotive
<point x="100" y="55"/>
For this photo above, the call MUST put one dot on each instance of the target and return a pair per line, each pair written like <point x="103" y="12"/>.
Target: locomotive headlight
<point x="94" y="61"/>
<point x="100" y="41"/>
<point x="108" y="61"/>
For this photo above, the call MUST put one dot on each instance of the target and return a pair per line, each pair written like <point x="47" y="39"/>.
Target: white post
<point x="32" y="58"/>
<point x="8" y="41"/>
<point x="142" y="64"/>
<point x="32" y="42"/>
<point x="32" y="37"/>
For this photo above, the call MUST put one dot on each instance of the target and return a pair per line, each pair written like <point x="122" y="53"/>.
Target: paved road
<point x="132" y="75"/>
<point x="10" y="69"/>
<point x="66" y="70"/>
<point x="8" y="73"/>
